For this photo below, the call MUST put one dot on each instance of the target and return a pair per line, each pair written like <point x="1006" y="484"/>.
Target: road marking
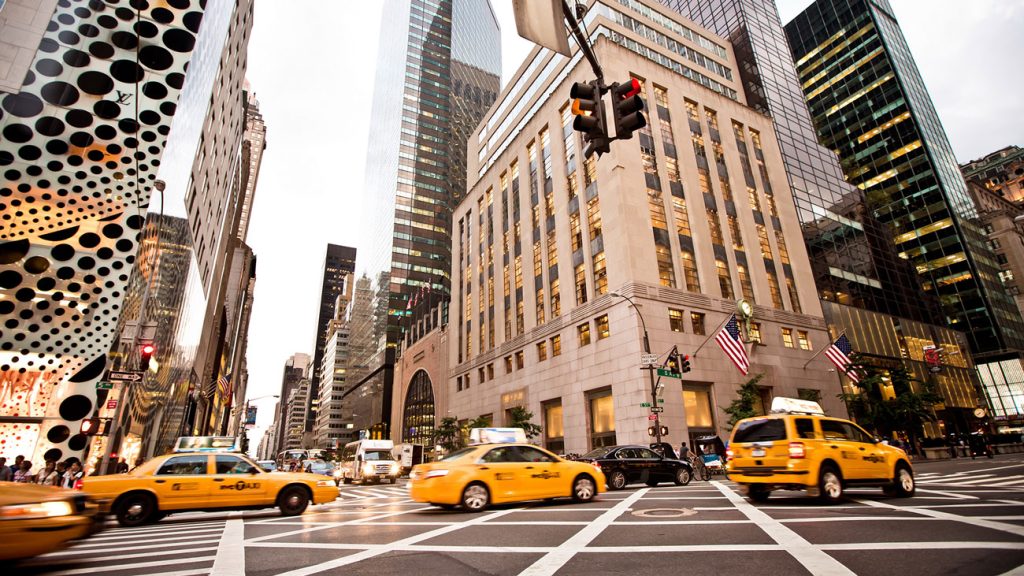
<point x="370" y="553"/>
<point x="554" y="560"/>
<point x="1009" y="481"/>
<point x="331" y="525"/>
<point x="77" y="549"/>
<point x="855" y="518"/>
<point x="96" y="544"/>
<point x="170" y="533"/>
<point x="148" y="554"/>
<point x="990" y="524"/>
<point x="92" y="569"/>
<point x="922" y="545"/>
<point x="978" y="479"/>
<point x="812" y="558"/>
<point x="230" y="559"/>
<point x="951" y="494"/>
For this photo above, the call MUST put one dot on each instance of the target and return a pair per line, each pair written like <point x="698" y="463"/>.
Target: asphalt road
<point x="967" y="518"/>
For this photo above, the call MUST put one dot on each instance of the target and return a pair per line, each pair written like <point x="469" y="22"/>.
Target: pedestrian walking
<point x="72" y="475"/>
<point x="24" y="474"/>
<point x="122" y="467"/>
<point x="5" y="470"/>
<point x="138" y="462"/>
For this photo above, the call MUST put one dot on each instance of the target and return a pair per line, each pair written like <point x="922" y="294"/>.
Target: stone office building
<point x="689" y="216"/>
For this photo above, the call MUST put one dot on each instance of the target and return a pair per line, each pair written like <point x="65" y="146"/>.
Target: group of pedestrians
<point x="62" y="474"/>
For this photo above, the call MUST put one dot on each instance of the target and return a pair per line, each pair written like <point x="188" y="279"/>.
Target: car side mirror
<point x="254" y="471"/>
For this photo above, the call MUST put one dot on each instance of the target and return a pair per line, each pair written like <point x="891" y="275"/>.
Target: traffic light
<point x="90" y="426"/>
<point x="664" y="430"/>
<point x="672" y="364"/>
<point x="684" y="363"/>
<point x="627" y="109"/>
<point x="145" y="353"/>
<point x="588" y="108"/>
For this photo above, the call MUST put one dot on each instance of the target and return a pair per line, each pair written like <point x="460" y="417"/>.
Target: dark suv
<point x="624" y="465"/>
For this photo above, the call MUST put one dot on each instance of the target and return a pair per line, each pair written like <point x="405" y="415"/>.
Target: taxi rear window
<point x="761" y="430"/>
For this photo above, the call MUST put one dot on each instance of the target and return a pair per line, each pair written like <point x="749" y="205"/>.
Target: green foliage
<point x="808" y="394"/>
<point x="906" y="412"/>
<point x="479" y="422"/>
<point x="745" y="406"/>
<point x="448" y="434"/>
<point x="521" y="418"/>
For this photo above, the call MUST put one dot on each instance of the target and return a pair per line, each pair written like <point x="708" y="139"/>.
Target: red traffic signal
<point x="627" y="109"/>
<point x="684" y="363"/>
<point x="145" y="353"/>
<point x="90" y="426"/>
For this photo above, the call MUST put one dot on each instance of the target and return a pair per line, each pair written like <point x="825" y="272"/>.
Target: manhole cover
<point x="664" y="512"/>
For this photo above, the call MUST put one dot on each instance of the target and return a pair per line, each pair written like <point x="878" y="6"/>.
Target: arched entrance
<point x="418" y="414"/>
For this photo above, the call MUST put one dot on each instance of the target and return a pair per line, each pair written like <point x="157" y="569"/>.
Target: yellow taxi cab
<point x="797" y="447"/>
<point x="500" y="467"/>
<point x="39" y="519"/>
<point x="204" y="473"/>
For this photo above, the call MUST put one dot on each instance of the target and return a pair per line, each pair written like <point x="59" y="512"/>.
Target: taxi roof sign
<point x="497" y="436"/>
<point x="781" y="405"/>
<point x="207" y="444"/>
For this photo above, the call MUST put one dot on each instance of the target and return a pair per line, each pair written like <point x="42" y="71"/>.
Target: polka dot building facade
<point x="80" y="145"/>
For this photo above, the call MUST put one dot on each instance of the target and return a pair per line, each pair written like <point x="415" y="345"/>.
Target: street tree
<point x="479" y="422"/>
<point x="448" y="434"/>
<point x="906" y="409"/>
<point x="745" y="405"/>
<point x="520" y="417"/>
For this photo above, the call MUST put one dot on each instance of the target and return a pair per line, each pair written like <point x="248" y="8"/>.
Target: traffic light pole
<point x="650" y="369"/>
<point x="584" y="44"/>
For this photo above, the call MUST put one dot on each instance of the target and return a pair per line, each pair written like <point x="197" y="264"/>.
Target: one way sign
<point x="124" y="376"/>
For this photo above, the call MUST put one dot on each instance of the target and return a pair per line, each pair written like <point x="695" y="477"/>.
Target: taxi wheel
<point x="135" y="509"/>
<point x="683" y="477"/>
<point x="903" y="484"/>
<point x="583" y="488"/>
<point x="475" y="497"/>
<point x="293" y="501"/>
<point x="830" y="485"/>
<point x="616" y="480"/>
<point x="759" y="493"/>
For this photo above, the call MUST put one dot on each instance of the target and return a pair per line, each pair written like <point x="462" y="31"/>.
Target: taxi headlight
<point x="435" y="473"/>
<point x="325" y="483"/>
<point x="36" y="510"/>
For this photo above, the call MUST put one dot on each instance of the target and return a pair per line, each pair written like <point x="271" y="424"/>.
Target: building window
<point x="583" y="332"/>
<point x="787" y="337"/>
<point x="520" y="360"/>
<point x="542" y="351"/>
<point x="675" y="320"/>
<point x="556" y="345"/>
<point x="465" y="381"/>
<point x="690" y="271"/>
<point x="490" y="371"/>
<point x="724" y="279"/>
<point x="809" y="394"/>
<point x="458" y="384"/>
<point x="508" y="364"/>
<point x="1001" y="258"/>
<point x="481" y="375"/>
<point x="755" y="332"/>
<point x="581" y="284"/>
<point x="698" y="408"/>
<point x="602" y="418"/>
<point x="602" y="327"/>
<point x="1006" y="276"/>
<point x="554" y="432"/>
<point x="697" y="323"/>
<point x="803" y="340"/>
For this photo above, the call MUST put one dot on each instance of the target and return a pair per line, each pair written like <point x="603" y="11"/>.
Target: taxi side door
<point x="544" y="476"/>
<point x="874" y="462"/>
<point x="182" y="482"/>
<point x="844" y="449"/>
<point x="237" y="482"/>
<point x="504" y="472"/>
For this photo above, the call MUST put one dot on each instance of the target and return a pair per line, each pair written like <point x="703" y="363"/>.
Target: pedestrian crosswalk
<point x="970" y="479"/>
<point x="364" y="492"/>
<point x="181" y="548"/>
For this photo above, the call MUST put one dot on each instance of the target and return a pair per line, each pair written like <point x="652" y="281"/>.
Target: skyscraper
<point x="339" y="266"/>
<point x="254" y="142"/>
<point x="869" y="105"/>
<point x="438" y="72"/>
<point x="296" y="369"/>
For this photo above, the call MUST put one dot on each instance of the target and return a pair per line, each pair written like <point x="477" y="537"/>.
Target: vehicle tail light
<point x="78" y="485"/>
<point x="729" y="454"/>
<point x="796" y="450"/>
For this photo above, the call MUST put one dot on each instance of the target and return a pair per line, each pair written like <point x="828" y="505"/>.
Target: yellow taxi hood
<point x="20" y="493"/>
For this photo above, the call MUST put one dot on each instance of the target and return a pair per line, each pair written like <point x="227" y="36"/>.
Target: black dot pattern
<point x="76" y="172"/>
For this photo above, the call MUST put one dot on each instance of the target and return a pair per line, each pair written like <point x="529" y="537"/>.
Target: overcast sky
<point x="311" y="64"/>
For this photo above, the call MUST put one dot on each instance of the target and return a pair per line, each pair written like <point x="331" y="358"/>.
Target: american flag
<point x="729" y="339"/>
<point x="839" y="354"/>
<point x="224" y="383"/>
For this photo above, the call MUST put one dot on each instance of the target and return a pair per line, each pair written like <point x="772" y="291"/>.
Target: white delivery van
<point x="408" y="455"/>
<point x="366" y="461"/>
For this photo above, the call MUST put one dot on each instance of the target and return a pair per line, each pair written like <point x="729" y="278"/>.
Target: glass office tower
<point x="439" y="68"/>
<point x="852" y="254"/>
<point x="869" y="105"/>
<point x="339" y="264"/>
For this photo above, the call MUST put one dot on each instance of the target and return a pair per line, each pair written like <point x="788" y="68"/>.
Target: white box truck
<point x="408" y="455"/>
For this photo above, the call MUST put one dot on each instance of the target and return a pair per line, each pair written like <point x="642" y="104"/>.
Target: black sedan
<point x="624" y="465"/>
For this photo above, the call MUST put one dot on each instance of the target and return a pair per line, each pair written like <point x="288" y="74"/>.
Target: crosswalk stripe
<point x="93" y="543"/>
<point x="78" y="550"/>
<point x="93" y="570"/>
<point x="123" y="536"/>
<point x="107" y="558"/>
<point x="1009" y="481"/>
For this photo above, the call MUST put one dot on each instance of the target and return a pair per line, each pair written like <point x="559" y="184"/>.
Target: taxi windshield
<point x="458" y="454"/>
<point x="377" y="455"/>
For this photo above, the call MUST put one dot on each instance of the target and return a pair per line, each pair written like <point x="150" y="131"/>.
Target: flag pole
<point x="823" y="349"/>
<point x="712" y="335"/>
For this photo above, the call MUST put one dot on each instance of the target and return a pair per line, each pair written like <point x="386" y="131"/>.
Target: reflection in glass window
<point x="554" y="433"/>
<point x="602" y="327"/>
<point x="675" y="320"/>
<point x="602" y="419"/>
<point x="183" y="466"/>
<point x="583" y="333"/>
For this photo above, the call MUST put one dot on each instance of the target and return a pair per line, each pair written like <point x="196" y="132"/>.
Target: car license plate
<point x="757" y="452"/>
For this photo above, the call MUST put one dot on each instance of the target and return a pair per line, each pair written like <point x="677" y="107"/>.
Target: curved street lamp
<point x="650" y="369"/>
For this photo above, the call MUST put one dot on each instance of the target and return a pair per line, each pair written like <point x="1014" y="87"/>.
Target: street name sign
<point x="101" y="385"/>
<point x="645" y="404"/>
<point x="666" y="373"/>
<point x="124" y="376"/>
<point x="648" y="359"/>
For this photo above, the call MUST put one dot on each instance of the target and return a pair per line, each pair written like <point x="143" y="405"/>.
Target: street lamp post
<point x="650" y="368"/>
